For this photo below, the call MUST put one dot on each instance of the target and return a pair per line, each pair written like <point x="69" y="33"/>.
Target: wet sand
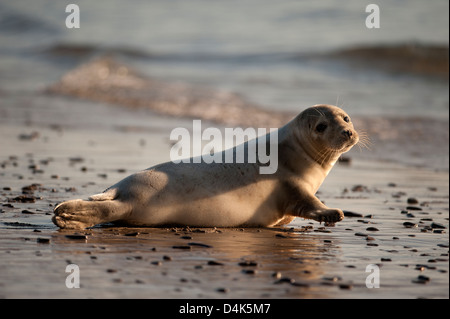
<point x="58" y="148"/>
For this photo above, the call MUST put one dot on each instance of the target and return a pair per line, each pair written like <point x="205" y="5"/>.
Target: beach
<point x="44" y="164"/>
<point x="79" y="115"/>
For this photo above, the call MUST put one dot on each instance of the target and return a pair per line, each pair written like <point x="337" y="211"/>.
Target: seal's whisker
<point x="319" y="111"/>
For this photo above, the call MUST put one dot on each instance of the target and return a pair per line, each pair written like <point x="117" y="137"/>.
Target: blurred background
<point x="281" y="56"/>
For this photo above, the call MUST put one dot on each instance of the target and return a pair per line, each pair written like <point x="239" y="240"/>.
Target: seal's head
<point x="326" y="132"/>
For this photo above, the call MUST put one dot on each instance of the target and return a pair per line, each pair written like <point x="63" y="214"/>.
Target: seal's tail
<point x="100" y="208"/>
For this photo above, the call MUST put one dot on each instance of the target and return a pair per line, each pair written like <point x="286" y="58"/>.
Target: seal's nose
<point x="347" y="133"/>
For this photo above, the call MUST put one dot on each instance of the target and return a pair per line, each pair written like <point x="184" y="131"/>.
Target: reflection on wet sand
<point x="275" y="263"/>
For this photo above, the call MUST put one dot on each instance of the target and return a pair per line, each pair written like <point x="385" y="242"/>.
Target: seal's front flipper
<point x="310" y="207"/>
<point x="329" y="216"/>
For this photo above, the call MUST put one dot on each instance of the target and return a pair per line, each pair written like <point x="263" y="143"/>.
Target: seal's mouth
<point x="346" y="142"/>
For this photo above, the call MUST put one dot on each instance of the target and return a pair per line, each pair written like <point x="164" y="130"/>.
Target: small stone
<point x="386" y="259"/>
<point x="409" y="225"/>
<point x="248" y="264"/>
<point x="43" y="240"/>
<point x="372" y="229"/>
<point x="214" y="263"/>
<point x="285" y="280"/>
<point x="77" y="237"/>
<point x="351" y="214"/>
<point x="249" y="271"/>
<point x="392" y="185"/>
<point x="361" y="234"/>
<point x="437" y="225"/>
<point x="276" y="275"/>
<point x="412" y="200"/>
<point x="182" y="247"/>
<point x="413" y="208"/>
<point x="346" y="286"/>
<point x="223" y="290"/>
<point x="199" y="245"/>
<point x="421" y="280"/>
<point x="167" y="258"/>
<point x="133" y="234"/>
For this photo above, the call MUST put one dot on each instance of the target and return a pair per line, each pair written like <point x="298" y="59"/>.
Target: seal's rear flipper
<point x="80" y="213"/>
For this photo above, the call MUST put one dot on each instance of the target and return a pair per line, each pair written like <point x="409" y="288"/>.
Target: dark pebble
<point x="199" y="245"/>
<point x="111" y="271"/>
<point x="351" y="214"/>
<point x="156" y="263"/>
<point x="181" y="247"/>
<point x="443" y="245"/>
<point x="77" y="237"/>
<point x="410" y="215"/>
<point x="360" y="188"/>
<point x="223" y="290"/>
<point x="74" y="160"/>
<point x="280" y="236"/>
<point x="413" y="208"/>
<point x="409" y="225"/>
<point x="248" y="264"/>
<point x="28" y="212"/>
<point x="345" y="286"/>
<point x="392" y="185"/>
<point x="134" y="234"/>
<point x="30" y="188"/>
<point x="167" y="258"/>
<point x="43" y="240"/>
<point x="412" y="200"/>
<point x="284" y="280"/>
<point x="249" y="271"/>
<point x="437" y="225"/>
<point x="361" y="234"/>
<point x="372" y="229"/>
<point x="214" y="263"/>
<point x="386" y="259"/>
<point x="186" y="237"/>
<point x="421" y="280"/>
<point x="25" y="199"/>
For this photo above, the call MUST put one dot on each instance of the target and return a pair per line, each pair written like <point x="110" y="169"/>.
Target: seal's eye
<point x="346" y="119"/>
<point x="321" y="127"/>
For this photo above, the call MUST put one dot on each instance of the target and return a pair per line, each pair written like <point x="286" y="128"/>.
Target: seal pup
<point x="229" y="194"/>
